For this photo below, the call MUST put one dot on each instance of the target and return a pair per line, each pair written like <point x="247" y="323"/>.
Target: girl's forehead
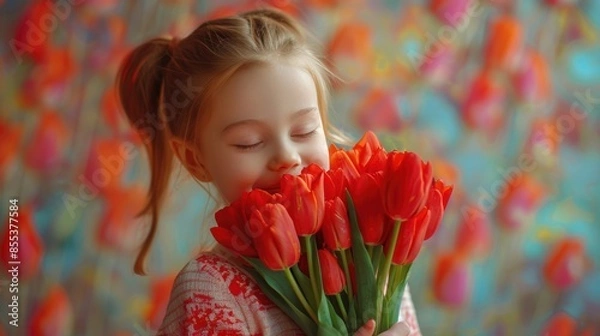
<point x="265" y="92"/>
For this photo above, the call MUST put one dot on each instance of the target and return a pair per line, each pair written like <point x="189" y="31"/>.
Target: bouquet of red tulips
<point x="333" y="249"/>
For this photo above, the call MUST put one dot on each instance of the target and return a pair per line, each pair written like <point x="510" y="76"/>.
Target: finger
<point x="367" y="329"/>
<point x="400" y="329"/>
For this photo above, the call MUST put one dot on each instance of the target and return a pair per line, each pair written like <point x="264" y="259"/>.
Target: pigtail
<point x="139" y="83"/>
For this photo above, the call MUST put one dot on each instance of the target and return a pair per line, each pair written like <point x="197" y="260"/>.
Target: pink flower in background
<point x="46" y="150"/>
<point x="452" y="279"/>
<point x="566" y="263"/>
<point x="451" y="12"/>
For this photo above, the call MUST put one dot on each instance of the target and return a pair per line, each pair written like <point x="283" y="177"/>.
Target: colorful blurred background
<point x="502" y="96"/>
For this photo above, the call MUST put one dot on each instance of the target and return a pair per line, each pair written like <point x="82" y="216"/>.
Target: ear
<point x="190" y="158"/>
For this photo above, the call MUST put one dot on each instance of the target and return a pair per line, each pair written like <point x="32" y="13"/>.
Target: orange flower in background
<point x="331" y="273"/>
<point x="483" y="107"/>
<point x="473" y="235"/>
<point x="504" y="43"/>
<point x="160" y="290"/>
<point x="118" y="228"/>
<point x="410" y="238"/>
<point x="305" y="201"/>
<point x="9" y="147"/>
<point x="30" y="248"/>
<point x="46" y="150"/>
<point x="566" y="263"/>
<point x="560" y="324"/>
<point x="406" y="185"/>
<point x="336" y="225"/>
<point x="53" y="316"/>
<point x="274" y="236"/>
<point x="523" y="197"/>
<point x="105" y="164"/>
<point x="439" y="195"/>
<point x="452" y="279"/>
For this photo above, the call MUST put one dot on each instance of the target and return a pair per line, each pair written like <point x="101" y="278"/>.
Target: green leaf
<point x="366" y="303"/>
<point x="303" y="321"/>
<point x="305" y="285"/>
<point x="329" y="321"/>
<point x="275" y="280"/>
<point x="391" y="307"/>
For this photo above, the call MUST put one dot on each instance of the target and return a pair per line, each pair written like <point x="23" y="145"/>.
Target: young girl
<point x="239" y="102"/>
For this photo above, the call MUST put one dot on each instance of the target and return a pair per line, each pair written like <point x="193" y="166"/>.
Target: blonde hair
<point x="165" y="85"/>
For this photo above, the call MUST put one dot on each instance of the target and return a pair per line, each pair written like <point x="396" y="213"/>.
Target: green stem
<point x="310" y="255"/>
<point x="383" y="276"/>
<point x="342" y="308"/>
<point x="347" y="274"/>
<point x="370" y="251"/>
<point x="299" y="294"/>
<point x="377" y="258"/>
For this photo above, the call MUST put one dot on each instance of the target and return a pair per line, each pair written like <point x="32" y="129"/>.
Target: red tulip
<point x="410" y="238"/>
<point x="369" y="209"/>
<point x="335" y="184"/>
<point x="364" y="149"/>
<point x="566" y="263"/>
<point x="331" y="273"/>
<point x="9" y="147"/>
<point x="336" y="225"/>
<point x="377" y="162"/>
<point x="274" y="237"/>
<point x="340" y="159"/>
<point x="304" y="199"/>
<point x="452" y="279"/>
<point x="438" y="198"/>
<point x="407" y="181"/>
<point x="561" y="324"/>
<point x="231" y="230"/>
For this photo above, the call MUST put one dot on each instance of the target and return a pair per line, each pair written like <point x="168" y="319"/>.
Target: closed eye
<point x="247" y="147"/>
<point x="305" y="135"/>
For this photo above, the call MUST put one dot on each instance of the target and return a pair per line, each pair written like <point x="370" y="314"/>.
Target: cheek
<point x="319" y="153"/>
<point x="236" y="177"/>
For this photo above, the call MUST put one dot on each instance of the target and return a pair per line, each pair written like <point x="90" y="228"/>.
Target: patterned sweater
<point x="213" y="295"/>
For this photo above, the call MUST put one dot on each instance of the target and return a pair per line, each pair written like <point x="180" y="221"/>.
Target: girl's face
<point x="264" y="123"/>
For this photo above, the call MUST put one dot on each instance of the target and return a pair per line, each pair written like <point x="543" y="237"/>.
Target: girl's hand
<point x="398" y="329"/>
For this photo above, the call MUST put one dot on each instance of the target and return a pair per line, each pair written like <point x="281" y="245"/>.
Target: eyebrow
<point x="295" y="115"/>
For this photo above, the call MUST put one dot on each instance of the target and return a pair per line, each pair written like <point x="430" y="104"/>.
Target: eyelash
<point x="301" y="136"/>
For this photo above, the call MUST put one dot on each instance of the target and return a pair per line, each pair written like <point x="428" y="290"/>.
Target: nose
<point x="285" y="158"/>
